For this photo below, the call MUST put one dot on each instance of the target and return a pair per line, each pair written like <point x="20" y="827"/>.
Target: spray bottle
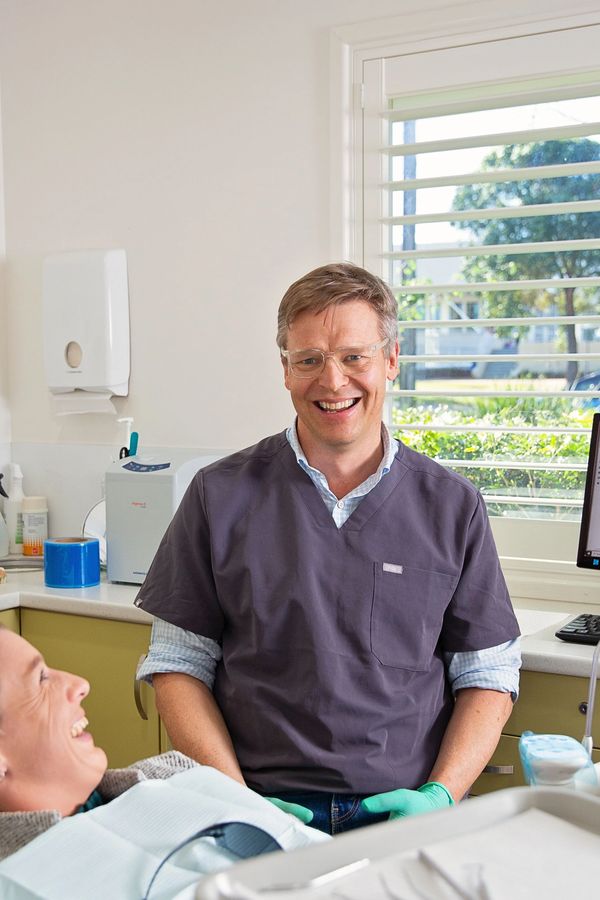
<point x="13" y="509"/>
<point x="4" y="540"/>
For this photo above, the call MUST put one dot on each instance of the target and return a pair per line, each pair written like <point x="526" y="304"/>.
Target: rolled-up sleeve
<point x="495" y="668"/>
<point x="173" y="649"/>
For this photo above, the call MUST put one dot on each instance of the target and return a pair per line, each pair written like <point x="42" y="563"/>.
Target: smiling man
<point x="332" y="625"/>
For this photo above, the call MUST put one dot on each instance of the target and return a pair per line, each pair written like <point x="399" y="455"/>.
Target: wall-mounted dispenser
<point x="86" y="329"/>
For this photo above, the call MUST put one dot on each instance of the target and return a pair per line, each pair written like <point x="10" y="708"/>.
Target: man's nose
<point x="332" y="376"/>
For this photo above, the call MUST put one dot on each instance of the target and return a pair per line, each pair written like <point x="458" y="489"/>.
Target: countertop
<point x="542" y="651"/>
<point x="105" y="601"/>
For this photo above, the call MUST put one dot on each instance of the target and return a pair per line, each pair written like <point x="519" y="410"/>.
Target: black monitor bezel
<point x="584" y="561"/>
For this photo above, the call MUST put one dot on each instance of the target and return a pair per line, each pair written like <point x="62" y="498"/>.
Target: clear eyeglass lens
<point x="348" y="359"/>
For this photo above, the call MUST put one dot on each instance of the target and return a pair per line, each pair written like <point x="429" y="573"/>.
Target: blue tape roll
<point x="71" y="562"/>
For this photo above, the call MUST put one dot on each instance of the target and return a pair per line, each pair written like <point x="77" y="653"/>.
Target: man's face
<point x="326" y="420"/>
<point x="49" y="759"/>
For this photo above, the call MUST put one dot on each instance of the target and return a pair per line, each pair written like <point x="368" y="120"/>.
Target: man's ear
<point x="392" y="363"/>
<point x="284" y="363"/>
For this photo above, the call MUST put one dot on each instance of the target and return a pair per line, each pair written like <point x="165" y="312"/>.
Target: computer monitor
<point x="588" y="554"/>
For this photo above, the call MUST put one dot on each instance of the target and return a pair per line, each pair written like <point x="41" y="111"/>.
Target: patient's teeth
<point x="79" y="727"/>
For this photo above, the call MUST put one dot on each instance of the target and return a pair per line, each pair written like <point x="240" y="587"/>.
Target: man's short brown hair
<point x="333" y="284"/>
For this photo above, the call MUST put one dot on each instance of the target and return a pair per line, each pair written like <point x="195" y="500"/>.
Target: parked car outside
<point x="589" y="382"/>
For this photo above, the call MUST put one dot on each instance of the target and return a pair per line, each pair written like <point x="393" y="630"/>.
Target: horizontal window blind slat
<point x="496" y="176"/>
<point x="482" y="428"/>
<point x="500" y="357"/>
<point x="494" y="249"/>
<point x="512" y="465"/>
<point x="496" y="323"/>
<point x="485" y="286"/>
<point x="487" y="98"/>
<point x="524" y="394"/>
<point x="513" y="500"/>
<point x="500" y="212"/>
<point x="501" y="138"/>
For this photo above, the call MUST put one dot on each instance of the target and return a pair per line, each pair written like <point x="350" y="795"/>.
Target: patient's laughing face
<point x="47" y="758"/>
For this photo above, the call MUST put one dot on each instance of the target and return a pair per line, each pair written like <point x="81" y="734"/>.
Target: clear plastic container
<point x="13" y="509"/>
<point x="4" y="540"/>
<point x="556" y="759"/>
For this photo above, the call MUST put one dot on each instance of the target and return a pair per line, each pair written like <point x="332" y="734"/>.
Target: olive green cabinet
<point x="122" y="715"/>
<point x="10" y="618"/>
<point x="548" y="704"/>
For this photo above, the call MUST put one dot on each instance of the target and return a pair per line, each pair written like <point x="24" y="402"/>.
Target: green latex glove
<point x="294" y="809"/>
<point x="402" y="802"/>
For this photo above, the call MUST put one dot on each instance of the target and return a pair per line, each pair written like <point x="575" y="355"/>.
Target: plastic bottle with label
<point x="13" y="509"/>
<point x="4" y="539"/>
<point x="35" y="525"/>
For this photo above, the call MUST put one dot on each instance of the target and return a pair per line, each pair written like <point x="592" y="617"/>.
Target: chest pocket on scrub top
<point x="407" y="614"/>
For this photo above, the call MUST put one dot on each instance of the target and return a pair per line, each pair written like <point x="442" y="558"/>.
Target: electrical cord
<point x="239" y="838"/>
<point x="587" y="737"/>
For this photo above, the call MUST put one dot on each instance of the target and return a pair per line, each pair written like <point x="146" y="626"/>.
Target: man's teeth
<point x="341" y="404"/>
<point x="79" y="727"/>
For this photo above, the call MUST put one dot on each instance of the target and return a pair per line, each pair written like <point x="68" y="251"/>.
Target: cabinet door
<point x="503" y="770"/>
<point x="552" y="704"/>
<point x="10" y="618"/>
<point x="106" y="653"/>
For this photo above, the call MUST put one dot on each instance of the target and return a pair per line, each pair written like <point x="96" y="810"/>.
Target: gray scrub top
<point x="332" y="675"/>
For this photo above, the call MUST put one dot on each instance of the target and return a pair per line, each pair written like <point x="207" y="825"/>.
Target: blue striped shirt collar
<point x="390" y="448"/>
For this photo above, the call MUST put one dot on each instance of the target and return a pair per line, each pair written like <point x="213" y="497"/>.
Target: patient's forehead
<point x="12" y="647"/>
<point x="17" y="657"/>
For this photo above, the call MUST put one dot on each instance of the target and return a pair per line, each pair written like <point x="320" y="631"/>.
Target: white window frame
<point x="538" y="558"/>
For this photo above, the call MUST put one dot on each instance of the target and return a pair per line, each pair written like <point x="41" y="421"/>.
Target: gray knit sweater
<point x="18" y="828"/>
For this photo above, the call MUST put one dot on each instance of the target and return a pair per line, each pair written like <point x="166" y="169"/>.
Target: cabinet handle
<point x="137" y="692"/>
<point x="499" y="770"/>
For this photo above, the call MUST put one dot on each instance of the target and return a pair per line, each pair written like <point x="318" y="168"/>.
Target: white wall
<point x="4" y="406"/>
<point x="196" y="136"/>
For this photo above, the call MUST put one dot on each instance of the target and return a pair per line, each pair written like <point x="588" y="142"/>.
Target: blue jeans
<point x="333" y="813"/>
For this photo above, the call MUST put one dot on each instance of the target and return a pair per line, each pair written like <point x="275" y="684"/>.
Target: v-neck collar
<point x="302" y="484"/>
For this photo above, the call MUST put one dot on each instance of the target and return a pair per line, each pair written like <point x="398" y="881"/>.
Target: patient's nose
<point x="77" y="687"/>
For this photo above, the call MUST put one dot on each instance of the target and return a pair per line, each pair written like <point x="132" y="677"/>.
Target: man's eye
<point x="354" y="356"/>
<point x="307" y="361"/>
<point x="43" y="675"/>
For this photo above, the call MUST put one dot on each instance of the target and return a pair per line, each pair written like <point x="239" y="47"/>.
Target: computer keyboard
<point x="585" y="629"/>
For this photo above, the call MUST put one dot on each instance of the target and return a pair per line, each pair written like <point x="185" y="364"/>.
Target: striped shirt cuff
<point x="494" y="669"/>
<point x="173" y="649"/>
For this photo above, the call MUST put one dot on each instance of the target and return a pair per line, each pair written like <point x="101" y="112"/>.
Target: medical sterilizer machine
<point x="142" y="494"/>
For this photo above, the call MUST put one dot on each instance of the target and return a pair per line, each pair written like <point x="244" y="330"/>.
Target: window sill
<point x="547" y="580"/>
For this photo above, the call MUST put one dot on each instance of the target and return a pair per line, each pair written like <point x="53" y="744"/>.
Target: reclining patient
<point x="51" y="770"/>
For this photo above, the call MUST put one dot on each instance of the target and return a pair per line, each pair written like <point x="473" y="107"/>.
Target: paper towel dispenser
<point x="86" y="322"/>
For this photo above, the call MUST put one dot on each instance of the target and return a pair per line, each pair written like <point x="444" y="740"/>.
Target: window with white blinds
<point x="481" y="207"/>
